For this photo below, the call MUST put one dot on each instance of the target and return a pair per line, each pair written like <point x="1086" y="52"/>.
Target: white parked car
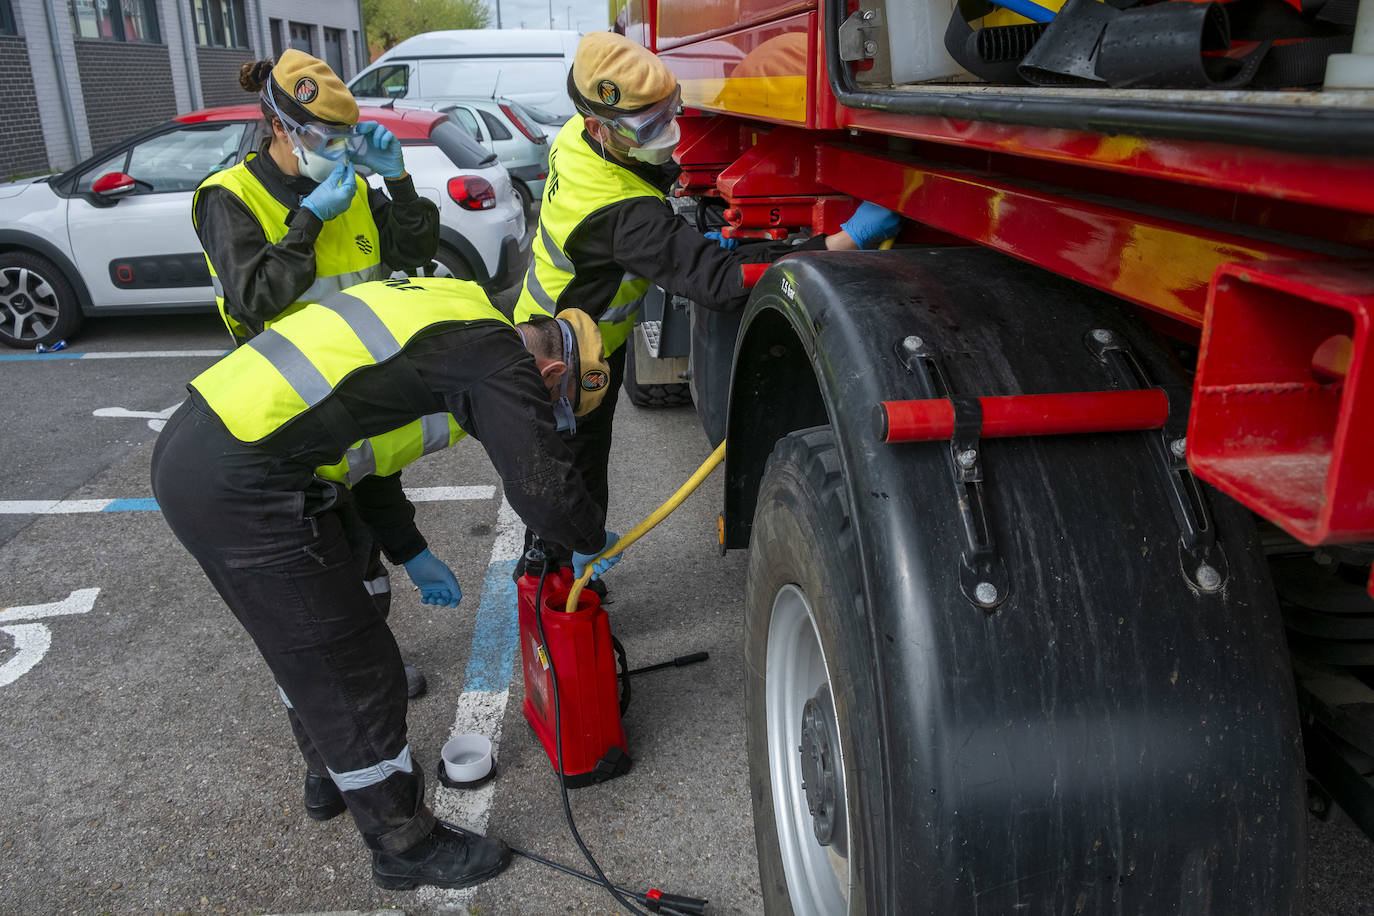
<point x="114" y="234"/>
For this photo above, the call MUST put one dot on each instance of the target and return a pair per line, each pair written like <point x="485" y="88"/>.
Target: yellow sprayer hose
<point x="643" y="528"/>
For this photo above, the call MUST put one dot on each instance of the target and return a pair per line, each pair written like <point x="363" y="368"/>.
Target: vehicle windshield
<point x="539" y="80"/>
<point x="460" y="147"/>
<point x="541" y="116"/>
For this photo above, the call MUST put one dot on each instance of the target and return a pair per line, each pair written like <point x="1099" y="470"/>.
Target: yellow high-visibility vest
<point x="347" y="251"/>
<point x="298" y="363"/>
<point x="580" y="183"/>
<point x="388" y="453"/>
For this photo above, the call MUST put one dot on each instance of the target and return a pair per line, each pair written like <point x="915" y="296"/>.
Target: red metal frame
<point x="1028" y="415"/>
<point x="1283" y="405"/>
<point x="1262" y="256"/>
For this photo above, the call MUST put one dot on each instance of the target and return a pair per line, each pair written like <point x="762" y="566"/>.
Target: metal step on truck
<point x="1060" y="511"/>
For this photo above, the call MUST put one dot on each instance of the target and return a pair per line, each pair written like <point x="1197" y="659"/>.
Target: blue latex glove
<point x="731" y="244"/>
<point x="580" y="560"/>
<point x="334" y="195"/>
<point x="383" y="151"/>
<point x="436" y="581"/>
<point x="871" y="223"/>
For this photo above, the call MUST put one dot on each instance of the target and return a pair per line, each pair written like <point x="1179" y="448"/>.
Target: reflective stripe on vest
<point x="387" y="453"/>
<point x="580" y="183"/>
<point x="287" y="370"/>
<point x="347" y="250"/>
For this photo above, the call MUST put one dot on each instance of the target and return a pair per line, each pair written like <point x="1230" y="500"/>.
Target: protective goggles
<point x="333" y="143"/>
<point x="643" y="126"/>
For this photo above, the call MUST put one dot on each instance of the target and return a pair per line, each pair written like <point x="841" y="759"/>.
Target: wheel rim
<point x="28" y="304"/>
<point x="795" y="677"/>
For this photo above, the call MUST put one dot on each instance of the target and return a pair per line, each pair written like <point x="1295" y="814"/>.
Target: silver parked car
<point x="515" y="133"/>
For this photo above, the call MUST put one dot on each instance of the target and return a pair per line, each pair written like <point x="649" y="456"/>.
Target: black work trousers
<point x="591" y="448"/>
<point x="275" y="545"/>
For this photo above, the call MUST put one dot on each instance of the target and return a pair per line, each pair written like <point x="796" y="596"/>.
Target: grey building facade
<point x="81" y="74"/>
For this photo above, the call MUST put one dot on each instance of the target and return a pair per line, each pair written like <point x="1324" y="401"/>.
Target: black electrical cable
<point x="558" y="752"/>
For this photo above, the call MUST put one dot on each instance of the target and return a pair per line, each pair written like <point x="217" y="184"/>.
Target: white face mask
<point x="660" y="149"/>
<point x="316" y="168"/>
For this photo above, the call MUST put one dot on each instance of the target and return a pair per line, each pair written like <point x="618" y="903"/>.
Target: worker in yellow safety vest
<point x="247" y="473"/>
<point x="606" y="231"/>
<point x="293" y="223"/>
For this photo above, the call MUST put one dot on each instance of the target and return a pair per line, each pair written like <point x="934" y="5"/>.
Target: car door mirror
<point x="113" y="185"/>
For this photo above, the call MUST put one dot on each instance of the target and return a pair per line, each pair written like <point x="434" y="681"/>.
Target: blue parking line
<point x="495" y="635"/>
<point x="132" y="505"/>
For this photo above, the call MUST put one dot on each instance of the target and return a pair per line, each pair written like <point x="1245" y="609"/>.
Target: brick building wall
<point x="219" y="75"/>
<point x="127" y="87"/>
<point x="23" y="151"/>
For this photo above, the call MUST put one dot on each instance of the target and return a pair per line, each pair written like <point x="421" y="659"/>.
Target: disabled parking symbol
<point x="33" y="640"/>
<point x="156" y="419"/>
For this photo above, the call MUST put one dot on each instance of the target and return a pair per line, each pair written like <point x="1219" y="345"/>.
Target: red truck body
<point x="1228" y="245"/>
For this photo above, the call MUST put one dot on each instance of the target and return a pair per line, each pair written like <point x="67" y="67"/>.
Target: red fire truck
<point x="1047" y="505"/>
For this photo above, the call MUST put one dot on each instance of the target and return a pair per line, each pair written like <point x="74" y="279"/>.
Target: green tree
<point x="391" y="21"/>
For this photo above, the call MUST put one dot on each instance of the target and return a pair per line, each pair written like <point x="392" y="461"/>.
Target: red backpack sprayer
<point x="574" y="694"/>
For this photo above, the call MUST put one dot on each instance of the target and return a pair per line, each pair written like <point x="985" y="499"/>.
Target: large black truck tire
<point x="804" y="583"/>
<point x="1090" y="713"/>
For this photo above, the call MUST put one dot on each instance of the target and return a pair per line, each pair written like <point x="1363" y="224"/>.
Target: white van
<point x="528" y="65"/>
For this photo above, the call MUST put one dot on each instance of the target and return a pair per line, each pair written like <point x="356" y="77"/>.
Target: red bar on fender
<point x="753" y="273"/>
<point x="1027" y="415"/>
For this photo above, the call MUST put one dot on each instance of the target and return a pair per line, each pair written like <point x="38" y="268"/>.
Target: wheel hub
<point x="819" y="758"/>
<point x="21" y="303"/>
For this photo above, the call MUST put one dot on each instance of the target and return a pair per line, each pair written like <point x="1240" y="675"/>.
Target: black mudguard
<point x="1109" y="738"/>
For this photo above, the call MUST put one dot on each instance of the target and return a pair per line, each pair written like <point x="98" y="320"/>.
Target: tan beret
<point x="613" y="71"/>
<point x="315" y="87"/>
<point x="592" y="372"/>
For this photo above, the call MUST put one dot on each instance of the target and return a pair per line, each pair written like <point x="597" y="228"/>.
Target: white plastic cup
<point x="467" y="758"/>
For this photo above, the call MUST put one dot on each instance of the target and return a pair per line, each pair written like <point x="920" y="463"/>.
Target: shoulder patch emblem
<point x="608" y="92"/>
<point x="594" y="380"/>
<point x="306" y="91"/>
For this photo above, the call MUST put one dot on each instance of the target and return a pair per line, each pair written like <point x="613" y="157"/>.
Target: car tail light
<point x="531" y="131"/>
<point x="471" y="192"/>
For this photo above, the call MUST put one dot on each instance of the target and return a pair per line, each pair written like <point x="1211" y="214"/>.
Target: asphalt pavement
<point x="147" y="765"/>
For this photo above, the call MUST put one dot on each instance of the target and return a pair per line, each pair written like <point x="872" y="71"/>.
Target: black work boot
<point x="415" y="681"/>
<point x="323" y="799"/>
<point x="445" y="858"/>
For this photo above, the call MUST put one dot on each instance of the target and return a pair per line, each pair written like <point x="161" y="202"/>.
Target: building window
<point x="333" y="51"/>
<point x="116" y="20"/>
<point x="301" y="39"/>
<point x="220" y="23"/>
<point x="7" y="19"/>
<point x="274" y="26"/>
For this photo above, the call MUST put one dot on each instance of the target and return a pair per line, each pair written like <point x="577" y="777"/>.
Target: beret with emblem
<point x="613" y="71"/>
<point x="314" y="87"/>
<point x="591" y="372"/>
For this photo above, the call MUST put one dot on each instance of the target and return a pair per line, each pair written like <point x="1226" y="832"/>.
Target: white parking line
<point x="148" y="504"/>
<point x="486" y="687"/>
<point x="113" y="354"/>
<point x="436" y="494"/>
